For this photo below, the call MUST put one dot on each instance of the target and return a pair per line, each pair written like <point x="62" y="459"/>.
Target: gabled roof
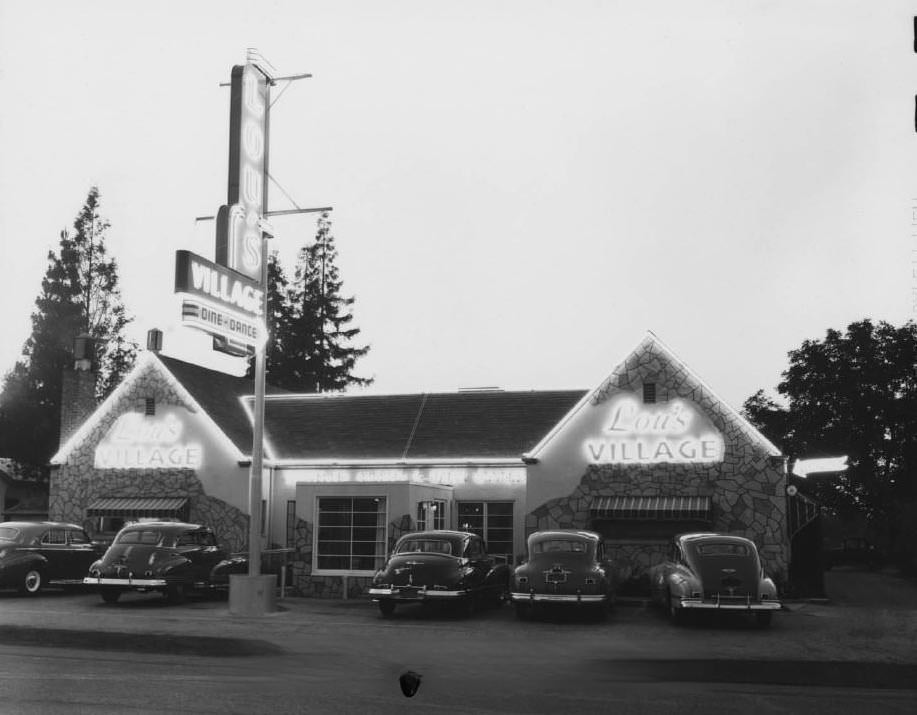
<point x="475" y="425"/>
<point x="651" y="348"/>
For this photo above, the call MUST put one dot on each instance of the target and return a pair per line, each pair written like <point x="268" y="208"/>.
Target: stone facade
<point x="746" y="488"/>
<point x="76" y="483"/>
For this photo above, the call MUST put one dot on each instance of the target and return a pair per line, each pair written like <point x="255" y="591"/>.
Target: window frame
<point x="316" y="571"/>
<point x="485" y="503"/>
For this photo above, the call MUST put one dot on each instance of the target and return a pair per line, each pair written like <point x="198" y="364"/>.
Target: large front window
<point x="351" y="533"/>
<point x="492" y="520"/>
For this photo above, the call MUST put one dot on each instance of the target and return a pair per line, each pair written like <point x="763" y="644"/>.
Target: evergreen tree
<point x="79" y="294"/>
<point x="316" y="351"/>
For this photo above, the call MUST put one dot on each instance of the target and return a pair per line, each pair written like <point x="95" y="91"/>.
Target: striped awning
<point x="138" y="506"/>
<point x="653" y="508"/>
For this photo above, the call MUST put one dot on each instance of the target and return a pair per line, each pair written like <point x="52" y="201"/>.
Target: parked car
<point x="173" y="558"/>
<point x="564" y="567"/>
<point x="854" y="550"/>
<point x="36" y="553"/>
<point x="443" y="567"/>
<point x="714" y="572"/>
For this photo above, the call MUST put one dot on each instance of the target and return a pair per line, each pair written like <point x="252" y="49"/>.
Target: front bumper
<point x="126" y="582"/>
<point x="422" y="593"/>
<point x="518" y="597"/>
<point x="717" y="605"/>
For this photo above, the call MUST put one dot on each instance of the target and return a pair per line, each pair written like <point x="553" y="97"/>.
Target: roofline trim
<point x="651" y="337"/>
<point x="411" y="462"/>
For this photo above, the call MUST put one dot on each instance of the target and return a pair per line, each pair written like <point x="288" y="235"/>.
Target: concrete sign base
<point x="252" y="595"/>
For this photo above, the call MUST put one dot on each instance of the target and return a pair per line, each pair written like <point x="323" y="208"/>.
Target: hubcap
<point x="32" y="581"/>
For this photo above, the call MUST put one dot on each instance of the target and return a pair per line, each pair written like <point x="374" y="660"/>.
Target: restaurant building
<point x="648" y="452"/>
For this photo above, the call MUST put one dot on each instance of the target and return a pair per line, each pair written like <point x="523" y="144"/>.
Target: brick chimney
<point x="78" y="390"/>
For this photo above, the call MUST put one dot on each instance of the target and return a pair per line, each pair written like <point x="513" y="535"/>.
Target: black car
<point x="440" y="566"/>
<point x="36" y="553"/>
<point x="173" y="558"/>
<point x="564" y="567"/>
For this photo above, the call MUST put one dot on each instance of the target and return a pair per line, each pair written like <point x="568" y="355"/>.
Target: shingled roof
<point x="453" y="425"/>
<point x="339" y="427"/>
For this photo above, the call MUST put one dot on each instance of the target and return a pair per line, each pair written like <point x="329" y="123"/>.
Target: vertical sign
<point x="238" y="244"/>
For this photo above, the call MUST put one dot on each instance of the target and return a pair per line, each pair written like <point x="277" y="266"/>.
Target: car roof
<point x="28" y="525"/>
<point x="437" y="533"/>
<point x="698" y="537"/>
<point x="165" y="526"/>
<point x="564" y="534"/>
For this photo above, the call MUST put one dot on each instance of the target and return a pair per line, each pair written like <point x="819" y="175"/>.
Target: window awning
<point x="138" y="506"/>
<point x="653" y="508"/>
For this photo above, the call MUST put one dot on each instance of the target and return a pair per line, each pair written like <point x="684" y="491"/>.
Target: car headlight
<point x="3" y="552"/>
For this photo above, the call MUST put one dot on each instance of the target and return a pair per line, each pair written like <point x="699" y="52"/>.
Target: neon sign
<point x="672" y="432"/>
<point x="238" y="223"/>
<point x="136" y="441"/>
<point x="437" y="475"/>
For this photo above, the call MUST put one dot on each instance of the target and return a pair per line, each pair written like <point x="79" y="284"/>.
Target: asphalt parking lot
<point x="851" y="654"/>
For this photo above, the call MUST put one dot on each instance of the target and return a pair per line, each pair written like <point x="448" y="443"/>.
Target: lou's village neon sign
<point x="238" y="242"/>
<point x="136" y="441"/>
<point x="672" y="432"/>
<point x="220" y="301"/>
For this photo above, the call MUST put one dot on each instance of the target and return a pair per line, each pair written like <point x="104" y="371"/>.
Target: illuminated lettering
<point x="668" y="432"/>
<point x="137" y="441"/>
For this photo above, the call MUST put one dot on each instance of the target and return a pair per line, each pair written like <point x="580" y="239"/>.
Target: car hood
<point x="422" y="570"/>
<point x="138" y="559"/>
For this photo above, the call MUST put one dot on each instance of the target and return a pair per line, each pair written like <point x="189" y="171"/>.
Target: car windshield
<point x="720" y="548"/>
<point x="8" y="533"/>
<point x="149" y="537"/>
<point x="555" y="545"/>
<point x="431" y="546"/>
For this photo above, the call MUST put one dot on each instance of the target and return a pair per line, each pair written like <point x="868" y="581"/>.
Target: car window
<point x="722" y="549"/>
<point x="148" y="537"/>
<point x="78" y="537"/>
<point x="54" y="537"/>
<point x="435" y="546"/>
<point x="8" y="533"/>
<point x="559" y="545"/>
<point x="474" y="549"/>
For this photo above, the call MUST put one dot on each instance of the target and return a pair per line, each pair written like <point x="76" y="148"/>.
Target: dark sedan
<point x="173" y="558"/>
<point x="440" y="566"/>
<point x="34" y="554"/>
<point x="564" y="567"/>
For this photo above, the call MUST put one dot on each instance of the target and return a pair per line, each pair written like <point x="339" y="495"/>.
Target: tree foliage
<point x="79" y="294"/>
<point x="312" y="338"/>
<point x="854" y="394"/>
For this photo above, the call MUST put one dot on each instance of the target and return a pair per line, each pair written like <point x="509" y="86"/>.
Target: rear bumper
<point x="126" y="582"/>
<point x="695" y="603"/>
<point x="418" y="594"/>
<point x="558" y="597"/>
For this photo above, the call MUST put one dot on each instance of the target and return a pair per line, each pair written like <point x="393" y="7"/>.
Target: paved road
<point x="66" y="653"/>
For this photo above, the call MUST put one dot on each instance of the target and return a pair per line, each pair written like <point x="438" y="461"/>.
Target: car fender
<point x="21" y="561"/>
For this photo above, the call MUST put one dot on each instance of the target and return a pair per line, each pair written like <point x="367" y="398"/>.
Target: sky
<point x="520" y="190"/>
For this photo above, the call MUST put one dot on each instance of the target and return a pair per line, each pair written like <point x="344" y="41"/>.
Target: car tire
<point x="500" y="597"/>
<point x="176" y="593"/>
<point x="386" y="608"/>
<point x="110" y="595"/>
<point x="763" y="619"/>
<point x="523" y="611"/>
<point x="32" y="582"/>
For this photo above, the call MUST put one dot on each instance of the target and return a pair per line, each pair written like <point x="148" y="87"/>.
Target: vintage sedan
<point x="443" y="567"/>
<point x="564" y="567"/>
<point x="173" y="558"/>
<point x="34" y="554"/>
<point x="713" y="572"/>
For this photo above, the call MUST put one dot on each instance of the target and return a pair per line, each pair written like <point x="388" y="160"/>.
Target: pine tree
<point x="79" y="294"/>
<point x="316" y="351"/>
